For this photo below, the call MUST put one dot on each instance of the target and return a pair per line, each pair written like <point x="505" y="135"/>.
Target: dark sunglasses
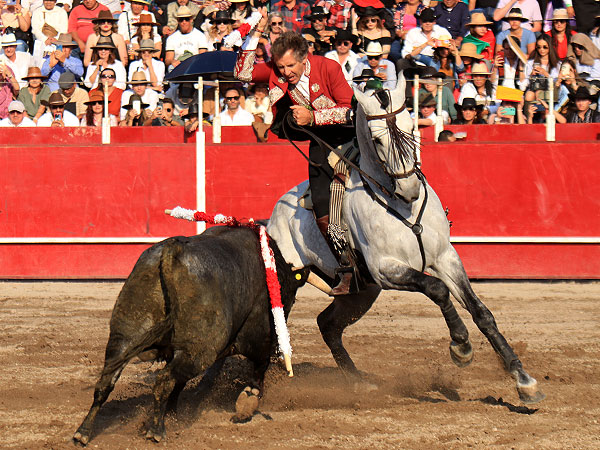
<point x="371" y="20"/>
<point x="276" y="23"/>
<point x="346" y="43"/>
<point x="96" y="103"/>
<point x="580" y="47"/>
<point x="57" y="106"/>
<point x="319" y="19"/>
<point x="470" y="108"/>
<point x="373" y="57"/>
<point x="184" y="19"/>
<point x="105" y="21"/>
<point x="107" y="76"/>
<point x="561" y="20"/>
<point x="221" y="22"/>
<point x="15" y="112"/>
<point x="237" y="97"/>
<point x="542" y="46"/>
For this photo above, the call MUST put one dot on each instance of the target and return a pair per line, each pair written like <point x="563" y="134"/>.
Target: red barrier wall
<point x="65" y="184"/>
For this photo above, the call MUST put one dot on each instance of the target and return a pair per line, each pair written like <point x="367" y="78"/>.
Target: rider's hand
<point x="302" y="116"/>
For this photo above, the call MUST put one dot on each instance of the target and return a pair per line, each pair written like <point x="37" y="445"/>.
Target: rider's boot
<point x="346" y="269"/>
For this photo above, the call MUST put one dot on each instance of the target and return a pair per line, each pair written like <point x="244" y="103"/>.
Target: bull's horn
<point x="318" y="282"/>
<point x="168" y="212"/>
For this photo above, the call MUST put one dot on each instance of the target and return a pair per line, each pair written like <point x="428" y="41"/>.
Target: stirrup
<point x="348" y="281"/>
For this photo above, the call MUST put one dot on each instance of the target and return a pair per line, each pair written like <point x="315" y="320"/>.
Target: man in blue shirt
<point x="453" y="15"/>
<point x="61" y="61"/>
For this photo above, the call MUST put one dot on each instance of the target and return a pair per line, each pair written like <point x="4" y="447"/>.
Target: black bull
<point x="191" y="302"/>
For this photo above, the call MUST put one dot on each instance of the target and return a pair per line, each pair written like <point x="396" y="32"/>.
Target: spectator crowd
<point x="491" y="61"/>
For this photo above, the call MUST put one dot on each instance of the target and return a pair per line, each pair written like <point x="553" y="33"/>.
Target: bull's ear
<point x="301" y="275"/>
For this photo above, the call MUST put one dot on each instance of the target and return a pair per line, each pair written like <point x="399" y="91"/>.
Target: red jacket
<point x="330" y="94"/>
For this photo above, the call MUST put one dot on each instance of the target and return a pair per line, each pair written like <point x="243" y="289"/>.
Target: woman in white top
<point x="480" y="88"/>
<point x="511" y="64"/>
<point x="105" y="25"/>
<point x="103" y="57"/>
<point x="145" y="30"/>
<point x="543" y="63"/>
<point x="153" y="68"/>
<point x="95" y="112"/>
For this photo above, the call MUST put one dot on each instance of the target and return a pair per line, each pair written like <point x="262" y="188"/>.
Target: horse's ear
<point x="399" y="91"/>
<point x="361" y="97"/>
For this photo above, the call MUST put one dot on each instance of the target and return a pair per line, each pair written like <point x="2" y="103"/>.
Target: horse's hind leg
<point x="342" y="312"/>
<point x="411" y="280"/>
<point x="453" y="274"/>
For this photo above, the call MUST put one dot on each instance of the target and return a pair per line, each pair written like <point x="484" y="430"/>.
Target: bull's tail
<point x="168" y="274"/>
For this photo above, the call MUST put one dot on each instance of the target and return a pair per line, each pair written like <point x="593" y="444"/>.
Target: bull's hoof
<point x="461" y="354"/>
<point x="82" y="439"/>
<point x="530" y="393"/>
<point x="246" y="405"/>
<point x="155" y="435"/>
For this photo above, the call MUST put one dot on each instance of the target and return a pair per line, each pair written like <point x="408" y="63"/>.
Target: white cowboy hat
<point x="8" y="40"/>
<point x="374" y="49"/>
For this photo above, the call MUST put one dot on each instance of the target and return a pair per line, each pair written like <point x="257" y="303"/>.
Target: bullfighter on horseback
<point x="314" y="91"/>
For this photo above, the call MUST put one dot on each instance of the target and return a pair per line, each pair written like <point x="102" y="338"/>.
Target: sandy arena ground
<point x="53" y="337"/>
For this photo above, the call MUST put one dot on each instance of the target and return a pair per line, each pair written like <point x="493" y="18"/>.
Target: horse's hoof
<point x="82" y="439"/>
<point x="156" y="436"/>
<point x="461" y="354"/>
<point x="530" y="393"/>
<point x="246" y="405"/>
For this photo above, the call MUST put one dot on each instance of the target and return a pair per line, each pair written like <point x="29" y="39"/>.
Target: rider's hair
<point x="289" y="40"/>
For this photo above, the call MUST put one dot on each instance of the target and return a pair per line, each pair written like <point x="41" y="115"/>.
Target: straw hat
<point x="145" y="19"/>
<point x="104" y="15"/>
<point x="515" y="14"/>
<point x="55" y="100"/>
<point x="468" y="49"/>
<point x="132" y="99"/>
<point x="374" y="49"/>
<point x="480" y="68"/>
<point x="184" y="11"/>
<point x="9" y="40"/>
<point x="66" y="40"/>
<point x="105" y="42"/>
<point x="560" y="14"/>
<point x="142" y="2"/>
<point x="516" y="48"/>
<point x="477" y="19"/>
<point x="138" y="77"/>
<point x="146" y="44"/>
<point x="95" y="96"/>
<point x="34" y="72"/>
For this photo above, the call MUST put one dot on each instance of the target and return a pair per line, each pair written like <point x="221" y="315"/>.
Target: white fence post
<point x="550" y="118"/>
<point x="200" y="160"/>
<point x="217" y="116"/>
<point x="416" y="132"/>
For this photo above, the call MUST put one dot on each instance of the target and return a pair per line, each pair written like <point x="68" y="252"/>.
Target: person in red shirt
<point x="561" y="32"/>
<point x="80" y="21"/>
<point x="479" y="28"/>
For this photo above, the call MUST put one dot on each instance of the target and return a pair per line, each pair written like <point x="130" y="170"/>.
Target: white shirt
<point x="20" y="66"/>
<point x="348" y="65"/>
<point x="263" y="109"/>
<point x="57" y="17"/>
<point x="470" y="91"/>
<point x="529" y="8"/>
<point x="26" y="122"/>
<point x="69" y="119"/>
<point x="158" y="66"/>
<point x="128" y="16"/>
<point x="240" y="118"/>
<point x="416" y="38"/>
<point x="150" y="97"/>
<point x="113" y="5"/>
<point x="192" y="42"/>
<point x="120" y="74"/>
<point x="433" y="117"/>
<point x="529" y="68"/>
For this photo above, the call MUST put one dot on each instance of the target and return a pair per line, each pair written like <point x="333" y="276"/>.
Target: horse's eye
<point x="377" y="141"/>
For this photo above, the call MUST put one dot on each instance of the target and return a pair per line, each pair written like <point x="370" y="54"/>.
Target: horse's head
<point x="388" y="148"/>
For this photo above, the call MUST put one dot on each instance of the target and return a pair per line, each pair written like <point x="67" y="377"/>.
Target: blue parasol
<point x="216" y="65"/>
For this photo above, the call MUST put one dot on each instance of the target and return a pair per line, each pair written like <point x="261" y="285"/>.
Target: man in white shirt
<point x="52" y="15"/>
<point x="529" y="8"/>
<point x="19" y="62"/>
<point x="343" y="54"/>
<point x="233" y="115"/>
<point x="128" y="18"/>
<point x="17" y="117"/>
<point x="56" y="116"/>
<point x="186" y="41"/>
<point x="421" y="41"/>
<point x="139" y="85"/>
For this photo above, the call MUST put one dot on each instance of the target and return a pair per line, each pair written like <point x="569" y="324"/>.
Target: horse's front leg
<point x="397" y="276"/>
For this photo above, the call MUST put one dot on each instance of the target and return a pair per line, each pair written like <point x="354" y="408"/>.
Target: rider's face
<point x="290" y="67"/>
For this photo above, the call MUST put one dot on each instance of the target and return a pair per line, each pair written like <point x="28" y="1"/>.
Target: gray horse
<point x="380" y="215"/>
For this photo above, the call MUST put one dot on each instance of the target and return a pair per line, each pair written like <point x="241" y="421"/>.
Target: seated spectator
<point x="342" y="53"/>
<point x="105" y="26"/>
<point x="136" y="114"/>
<point x="80" y="23"/>
<point x="107" y="76"/>
<point x="186" y="41"/>
<point x="447" y="60"/>
<point x="517" y="29"/>
<point x="233" y="114"/>
<point x="509" y="65"/>
<point x="240" y="11"/>
<point x="171" y="25"/>
<point x="9" y="89"/>
<point x="560" y="32"/>
<point x="32" y="95"/>
<point x="17" y="116"/>
<point x="18" y="18"/>
<point x="220" y="27"/>
<point x="275" y="28"/>
<point x="145" y="31"/>
<point x="369" y="28"/>
<point x="95" y="112"/>
<point x="261" y="55"/>
<point x="322" y="34"/>
<point x="405" y="19"/>
<point x="583" y="113"/>
<point x="427" y="115"/>
<point x="586" y="56"/>
<point x="183" y="95"/>
<point x="293" y="13"/>
<point x="367" y="81"/>
<point x="480" y="88"/>
<point x="529" y="9"/>
<point x="61" y="60"/>
<point x="469" y="55"/>
<point x="568" y="82"/>
<point x="164" y="116"/>
<point x="382" y="68"/>
<point x="260" y="107"/>
<point x="103" y="57"/>
<point x="191" y="123"/>
<point x="128" y="19"/>
<point x="55" y="115"/>
<point x="431" y="80"/>
<point x="153" y="68"/>
<point x="73" y="95"/>
<point x="542" y="63"/>
<point x="534" y="109"/>
<point x="594" y="34"/>
<point x="469" y="113"/>
<point x="453" y="15"/>
<point x="508" y="113"/>
<point x="420" y="41"/>
<point x="340" y="12"/>
<point x="479" y="31"/>
<point x="139" y="86"/>
<point x="19" y="62"/>
<point x="47" y="23"/>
